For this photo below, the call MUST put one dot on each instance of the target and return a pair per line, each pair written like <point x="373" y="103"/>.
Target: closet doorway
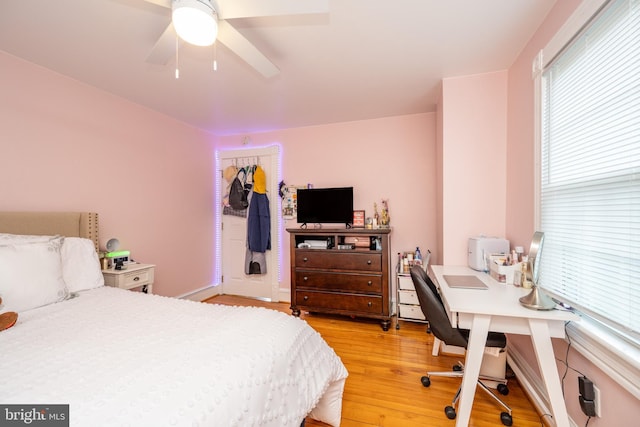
<point x="231" y="240"/>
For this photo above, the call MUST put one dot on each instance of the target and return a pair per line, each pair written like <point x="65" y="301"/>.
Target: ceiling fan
<point x="213" y="15"/>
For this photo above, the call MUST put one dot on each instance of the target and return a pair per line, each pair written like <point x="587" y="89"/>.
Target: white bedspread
<point x="121" y="358"/>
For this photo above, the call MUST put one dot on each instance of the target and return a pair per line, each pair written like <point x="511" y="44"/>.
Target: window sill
<point x="613" y="355"/>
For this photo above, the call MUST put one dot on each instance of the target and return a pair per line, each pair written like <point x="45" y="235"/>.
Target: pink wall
<point x="474" y="143"/>
<point x="619" y="407"/>
<point x="391" y="158"/>
<point x="439" y="176"/>
<point x="68" y="146"/>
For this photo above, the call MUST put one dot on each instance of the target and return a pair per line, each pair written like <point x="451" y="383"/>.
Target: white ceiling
<point x="365" y="59"/>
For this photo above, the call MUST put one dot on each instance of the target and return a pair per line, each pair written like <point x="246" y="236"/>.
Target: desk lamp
<point x="536" y="299"/>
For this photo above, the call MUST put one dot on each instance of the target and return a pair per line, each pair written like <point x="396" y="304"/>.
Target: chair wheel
<point x="503" y="389"/>
<point x="426" y="381"/>
<point x="506" y="418"/>
<point x="457" y="368"/>
<point x="450" y="412"/>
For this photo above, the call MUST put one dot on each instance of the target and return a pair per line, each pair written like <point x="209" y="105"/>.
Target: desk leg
<point x="541" y="339"/>
<point x="436" y="346"/>
<point x="475" y="351"/>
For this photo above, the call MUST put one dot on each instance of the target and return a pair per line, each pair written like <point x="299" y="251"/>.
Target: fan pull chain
<point x="177" y="69"/>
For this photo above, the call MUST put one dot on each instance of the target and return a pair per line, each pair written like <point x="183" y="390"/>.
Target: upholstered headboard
<point x="70" y="224"/>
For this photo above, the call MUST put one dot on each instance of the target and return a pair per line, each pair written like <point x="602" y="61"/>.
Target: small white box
<point x="504" y="273"/>
<point x="494" y="366"/>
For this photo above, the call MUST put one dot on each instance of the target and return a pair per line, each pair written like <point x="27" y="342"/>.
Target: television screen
<point x="325" y="205"/>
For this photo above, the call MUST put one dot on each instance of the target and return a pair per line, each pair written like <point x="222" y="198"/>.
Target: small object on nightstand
<point x="135" y="276"/>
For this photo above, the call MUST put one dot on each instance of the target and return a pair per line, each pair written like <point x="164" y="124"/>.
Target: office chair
<point x="435" y="312"/>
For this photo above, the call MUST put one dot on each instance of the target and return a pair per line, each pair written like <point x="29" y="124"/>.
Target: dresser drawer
<point x="411" y="312"/>
<point x="366" y="261"/>
<point x="405" y="283"/>
<point x="347" y="282"/>
<point x="408" y="297"/>
<point x="138" y="276"/>
<point x="368" y="304"/>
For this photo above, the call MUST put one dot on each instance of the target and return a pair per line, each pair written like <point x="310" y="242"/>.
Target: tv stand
<point x="350" y="277"/>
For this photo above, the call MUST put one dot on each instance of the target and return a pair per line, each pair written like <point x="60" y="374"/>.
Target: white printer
<point x="481" y="247"/>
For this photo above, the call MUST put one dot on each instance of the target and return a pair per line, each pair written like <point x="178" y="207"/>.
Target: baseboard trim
<point x="532" y="385"/>
<point x="284" y="295"/>
<point x="202" y="293"/>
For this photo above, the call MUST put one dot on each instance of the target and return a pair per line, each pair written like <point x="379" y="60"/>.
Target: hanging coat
<point x="259" y="218"/>
<point x="259" y="223"/>
<point x="258" y="226"/>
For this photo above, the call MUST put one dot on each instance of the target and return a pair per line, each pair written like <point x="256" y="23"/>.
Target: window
<point x="588" y="194"/>
<point x="590" y="169"/>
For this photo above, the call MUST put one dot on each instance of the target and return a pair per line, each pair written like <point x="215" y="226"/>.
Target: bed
<point x="121" y="358"/>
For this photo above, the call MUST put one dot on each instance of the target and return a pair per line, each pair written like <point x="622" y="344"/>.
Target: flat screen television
<point x="325" y="205"/>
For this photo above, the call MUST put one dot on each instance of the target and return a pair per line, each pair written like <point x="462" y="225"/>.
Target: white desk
<point x="498" y="309"/>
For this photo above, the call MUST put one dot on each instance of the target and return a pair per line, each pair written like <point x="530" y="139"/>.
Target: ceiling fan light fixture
<point x="195" y="21"/>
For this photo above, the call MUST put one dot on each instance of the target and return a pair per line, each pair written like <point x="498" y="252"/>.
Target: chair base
<point x="457" y="372"/>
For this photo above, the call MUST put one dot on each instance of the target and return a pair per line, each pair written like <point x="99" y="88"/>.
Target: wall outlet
<point x="589" y="397"/>
<point x="587" y="406"/>
<point x="585" y="388"/>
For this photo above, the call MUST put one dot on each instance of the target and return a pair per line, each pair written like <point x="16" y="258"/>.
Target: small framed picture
<point x="358" y="219"/>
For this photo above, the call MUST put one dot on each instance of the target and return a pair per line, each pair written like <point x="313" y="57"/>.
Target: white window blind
<point x="590" y="169"/>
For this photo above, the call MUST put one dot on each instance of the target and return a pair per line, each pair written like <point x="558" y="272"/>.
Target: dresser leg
<point x="295" y="312"/>
<point x="385" y="324"/>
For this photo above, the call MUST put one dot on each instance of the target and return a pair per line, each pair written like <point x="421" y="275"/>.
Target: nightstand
<point x="134" y="276"/>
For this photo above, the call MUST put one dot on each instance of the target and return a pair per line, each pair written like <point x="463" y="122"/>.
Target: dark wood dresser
<point x="345" y="271"/>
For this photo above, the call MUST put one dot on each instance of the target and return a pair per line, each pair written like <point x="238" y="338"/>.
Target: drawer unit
<point x="407" y="300"/>
<point x="352" y="281"/>
<point x="134" y="276"/>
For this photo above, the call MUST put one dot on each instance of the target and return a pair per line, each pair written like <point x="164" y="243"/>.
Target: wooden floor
<point x="383" y="388"/>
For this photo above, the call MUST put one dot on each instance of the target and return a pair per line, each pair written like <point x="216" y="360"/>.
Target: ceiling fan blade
<point x="165" y="47"/>
<point x="231" y="9"/>
<point x="163" y="3"/>
<point x="242" y="47"/>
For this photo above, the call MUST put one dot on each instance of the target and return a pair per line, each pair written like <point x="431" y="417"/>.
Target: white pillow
<point x="31" y="274"/>
<point x="7" y="239"/>
<point x="80" y="264"/>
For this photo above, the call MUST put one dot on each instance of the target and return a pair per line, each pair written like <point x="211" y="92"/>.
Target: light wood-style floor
<point x="383" y="388"/>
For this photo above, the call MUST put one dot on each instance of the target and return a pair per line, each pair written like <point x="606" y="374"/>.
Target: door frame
<point x="274" y="153"/>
